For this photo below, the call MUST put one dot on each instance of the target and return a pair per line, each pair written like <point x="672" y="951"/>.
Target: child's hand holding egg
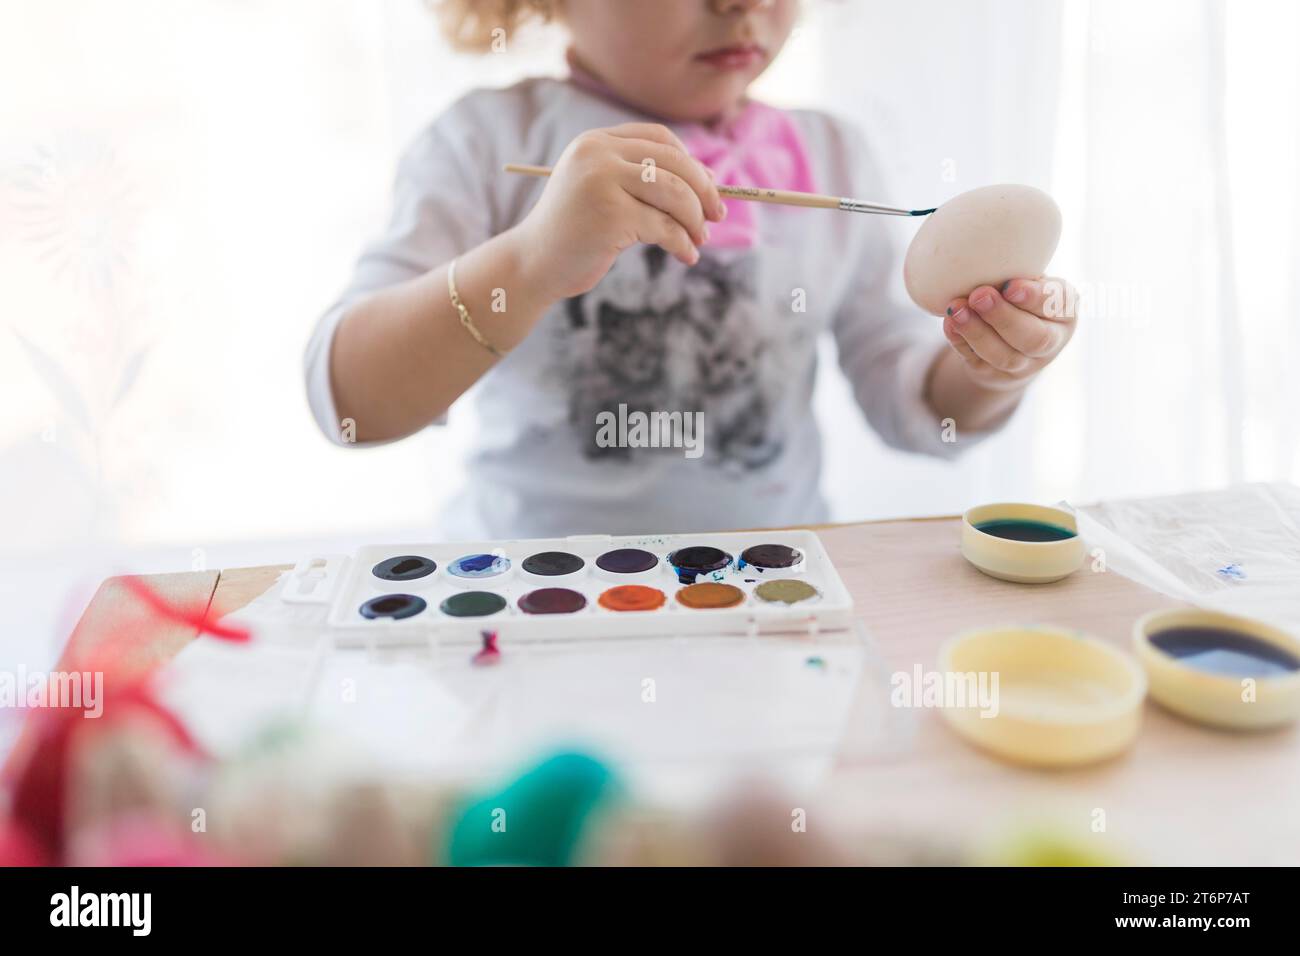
<point x="979" y="262"/>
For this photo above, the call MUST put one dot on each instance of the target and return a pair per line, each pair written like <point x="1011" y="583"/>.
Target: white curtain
<point x="1182" y="122"/>
<point x="184" y="185"/>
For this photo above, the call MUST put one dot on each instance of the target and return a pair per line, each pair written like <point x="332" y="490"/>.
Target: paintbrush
<point x="782" y="197"/>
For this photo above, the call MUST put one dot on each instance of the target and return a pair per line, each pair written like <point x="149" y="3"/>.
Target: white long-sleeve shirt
<point x="725" y="338"/>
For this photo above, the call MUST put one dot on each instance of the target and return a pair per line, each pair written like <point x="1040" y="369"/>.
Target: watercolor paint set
<point x="584" y="586"/>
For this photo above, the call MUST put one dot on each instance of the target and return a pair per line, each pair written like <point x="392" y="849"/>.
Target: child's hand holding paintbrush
<point x="611" y="189"/>
<point x="612" y="197"/>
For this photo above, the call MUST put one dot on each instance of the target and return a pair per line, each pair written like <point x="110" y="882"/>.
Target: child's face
<point x="679" y="59"/>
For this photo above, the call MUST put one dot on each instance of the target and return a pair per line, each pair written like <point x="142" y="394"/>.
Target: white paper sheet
<point x="680" y="718"/>
<point x="226" y="692"/>
<point x="1236" y="550"/>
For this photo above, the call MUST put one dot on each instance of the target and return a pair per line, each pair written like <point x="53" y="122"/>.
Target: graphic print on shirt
<point x="657" y="336"/>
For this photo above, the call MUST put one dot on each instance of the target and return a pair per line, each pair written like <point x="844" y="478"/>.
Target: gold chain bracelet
<point x="465" y="319"/>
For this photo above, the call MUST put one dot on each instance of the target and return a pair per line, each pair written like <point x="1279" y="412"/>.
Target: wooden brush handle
<point x="784" y="197"/>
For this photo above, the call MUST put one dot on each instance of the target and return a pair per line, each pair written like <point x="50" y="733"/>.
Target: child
<point x="621" y="306"/>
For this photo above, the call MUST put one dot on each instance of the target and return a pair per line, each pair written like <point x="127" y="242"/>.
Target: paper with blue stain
<point x="1235" y="550"/>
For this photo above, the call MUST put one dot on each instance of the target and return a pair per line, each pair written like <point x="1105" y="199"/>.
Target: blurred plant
<point x="74" y="208"/>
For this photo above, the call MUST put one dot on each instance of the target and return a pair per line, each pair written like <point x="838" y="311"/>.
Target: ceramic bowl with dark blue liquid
<point x="1220" y="669"/>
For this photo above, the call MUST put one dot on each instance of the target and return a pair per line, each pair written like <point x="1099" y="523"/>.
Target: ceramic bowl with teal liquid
<point x="1024" y="543"/>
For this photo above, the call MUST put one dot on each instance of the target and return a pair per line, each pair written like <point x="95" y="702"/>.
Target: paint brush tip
<point x="922" y="212"/>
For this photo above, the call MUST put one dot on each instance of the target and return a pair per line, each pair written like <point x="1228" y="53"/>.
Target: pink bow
<point x="760" y="147"/>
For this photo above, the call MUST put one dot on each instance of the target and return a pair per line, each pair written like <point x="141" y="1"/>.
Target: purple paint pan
<point x="552" y="601"/>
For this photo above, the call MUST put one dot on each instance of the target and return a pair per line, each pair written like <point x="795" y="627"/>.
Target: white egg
<point x="982" y="237"/>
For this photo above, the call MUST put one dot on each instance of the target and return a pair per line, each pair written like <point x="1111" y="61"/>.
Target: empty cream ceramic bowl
<point x="1060" y="699"/>
<point x="982" y="237"/>
<point x="1234" y="701"/>
<point x="1024" y="562"/>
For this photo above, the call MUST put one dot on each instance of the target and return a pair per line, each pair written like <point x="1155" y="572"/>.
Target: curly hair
<point x="473" y="25"/>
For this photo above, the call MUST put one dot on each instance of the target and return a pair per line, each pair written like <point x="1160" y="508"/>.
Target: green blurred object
<point x="537" y="820"/>
<point x="275" y="736"/>
<point x="1041" y="848"/>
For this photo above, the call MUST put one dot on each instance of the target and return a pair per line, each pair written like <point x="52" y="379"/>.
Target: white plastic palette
<point x="347" y="584"/>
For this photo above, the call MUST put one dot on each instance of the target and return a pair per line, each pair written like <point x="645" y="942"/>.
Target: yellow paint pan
<point x="1052" y="698"/>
